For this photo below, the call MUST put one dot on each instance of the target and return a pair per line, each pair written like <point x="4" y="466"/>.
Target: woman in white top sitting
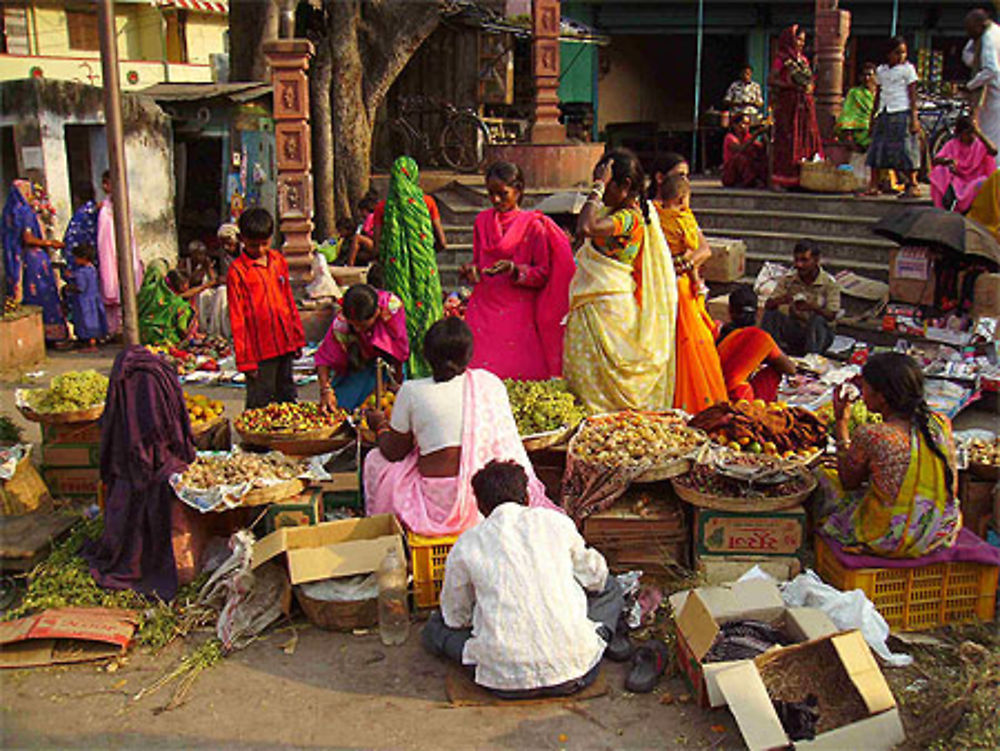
<point x="443" y="430"/>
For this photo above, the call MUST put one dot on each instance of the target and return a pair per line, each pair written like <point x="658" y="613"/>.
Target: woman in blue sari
<point x="82" y="228"/>
<point x="30" y="279"/>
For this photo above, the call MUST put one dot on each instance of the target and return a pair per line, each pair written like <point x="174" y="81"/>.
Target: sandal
<point x="648" y="664"/>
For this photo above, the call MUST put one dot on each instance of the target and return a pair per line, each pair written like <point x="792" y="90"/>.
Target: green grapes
<point x="541" y="406"/>
<point x="858" y="415"/>
<point x="70" y="392"/>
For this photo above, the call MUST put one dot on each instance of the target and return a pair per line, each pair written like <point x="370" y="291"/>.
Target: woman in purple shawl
<point x="145" y="438"/>
<point x="29" y="272"/>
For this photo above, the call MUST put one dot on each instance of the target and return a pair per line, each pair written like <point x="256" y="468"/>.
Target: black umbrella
<point x="927" y="225"/>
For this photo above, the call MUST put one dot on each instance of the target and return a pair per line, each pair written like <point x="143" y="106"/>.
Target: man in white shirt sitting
<point x="525" y="602"/>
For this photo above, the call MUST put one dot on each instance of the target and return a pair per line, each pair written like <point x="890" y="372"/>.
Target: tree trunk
<point x="251" y="23"/>
<point x="351" y="124"/>
<point x="320" y="77"/>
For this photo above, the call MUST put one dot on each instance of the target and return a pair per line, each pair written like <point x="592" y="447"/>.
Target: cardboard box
<point x="837" y="664"/>
<point x="65" y="635"/>
<point x="72" y="481"/>
<point x="700" y="612"/>
<point x="72" y="432"/>
<point x="728" y="262"/>
<point x="718" y="308"/>
<point x="760" y="534"/>
<point x="300" y="511"/>
<point x="330" y="549"/>
<point x="911" y="276"/>
<point x="986" y="296"/>
<point x="71" y="454"/>
<point x="716" y="570"/>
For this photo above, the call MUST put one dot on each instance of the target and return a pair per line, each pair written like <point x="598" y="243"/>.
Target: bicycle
<point x="461" y="144"/>
<point x="937" y="117"/>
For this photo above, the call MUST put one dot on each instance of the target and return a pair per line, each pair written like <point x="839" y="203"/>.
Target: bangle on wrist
<point x="598" y="188"/>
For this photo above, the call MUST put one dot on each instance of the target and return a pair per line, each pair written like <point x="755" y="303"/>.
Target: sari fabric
<point x="438" y="506"/>
<point x="164" y="316"/>
<point x="699" y="383"/>
<point x="387" y="336"/>
<point x="619" y="351"/>
<point x="107" y="265"/>
<point x="896" y="518"/>
<point x="81" y="230"/>
<point x="408" y="259"/>
<point x="744" y="161"/>
<point x="29" y="265"/>
<point x="985" y="207"/>
<point x="973" y="164"/>
<point x="796" y="133"/>
<point x="855" y="116"/>
<point x="518" y="325"/>
<point x="744" y="352"/>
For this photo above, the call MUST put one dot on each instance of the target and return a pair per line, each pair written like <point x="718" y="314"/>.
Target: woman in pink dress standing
<point x="522" y="267"/>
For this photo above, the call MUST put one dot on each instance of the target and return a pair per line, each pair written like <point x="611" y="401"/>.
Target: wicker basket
<point x="338" y="616"/>
<point x="548" y="439"/>
<point x="759" y="503"/>
<point x="202" y="427"/>
<point x="824" y="177"/>
<point x="275" y="493"/>
<point x="61" y="418"/>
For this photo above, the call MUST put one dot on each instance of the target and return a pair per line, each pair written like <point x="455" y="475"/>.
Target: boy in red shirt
<point x="267" y="330"/>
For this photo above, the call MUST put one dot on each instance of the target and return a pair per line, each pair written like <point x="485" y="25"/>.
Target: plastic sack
<point x="847" y="610"/>
<point x="342" y="588"/>
<point x="251" y="600"/>
<point x="767" y="279"/>
<point x="322" y="284"/>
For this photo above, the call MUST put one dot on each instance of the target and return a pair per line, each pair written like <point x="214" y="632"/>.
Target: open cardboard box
<point x="66" y="635"/>
<point x="699" y="613"/>
<point x="332" y="549"/>
<point x="859" y="708"/>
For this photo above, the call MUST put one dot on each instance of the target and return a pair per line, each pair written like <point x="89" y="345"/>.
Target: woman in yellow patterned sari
<point x="619" y="351"/>
<point x="700" y="382"/>
<point x="909" y="507"/>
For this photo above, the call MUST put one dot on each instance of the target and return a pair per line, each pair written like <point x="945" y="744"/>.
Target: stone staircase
<point x="769" y="223"/>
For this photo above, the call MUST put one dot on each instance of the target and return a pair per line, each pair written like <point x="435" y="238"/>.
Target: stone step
<point x="868" y="269"/>
<point x="802" y="203"/>
<point x="864" y="249"/>
<point x="827" y="225"/>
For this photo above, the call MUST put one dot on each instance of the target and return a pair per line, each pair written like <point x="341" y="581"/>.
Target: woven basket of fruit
<point x="366" y="434"/>
<point x="205" y="414"/>
<point x="760" y="428"/>
<point x="71" y="397"/>
<point x="705" y="487"/>
<point x="656" y="445"/>
<point x="278" y="424"/>
<point x="546" y="412"/>
<point x="984" y="458"/>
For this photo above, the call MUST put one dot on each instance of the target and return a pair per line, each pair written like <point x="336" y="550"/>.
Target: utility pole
<point x="116" y="157"/>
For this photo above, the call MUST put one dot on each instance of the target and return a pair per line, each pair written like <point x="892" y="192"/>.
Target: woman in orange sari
<point x="752" y="363"/>
<point x="699" y="383"/>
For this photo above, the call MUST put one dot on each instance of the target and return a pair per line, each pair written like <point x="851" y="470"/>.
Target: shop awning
<point x="198" y="6"/>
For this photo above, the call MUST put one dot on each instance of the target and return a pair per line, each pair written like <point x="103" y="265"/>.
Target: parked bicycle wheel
<point x="463" y="142"/>
<point x="391" y="140"/>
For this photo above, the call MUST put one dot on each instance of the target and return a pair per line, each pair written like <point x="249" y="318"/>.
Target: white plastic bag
<point x="847" y="610"/>
<point x="322" y="284"/>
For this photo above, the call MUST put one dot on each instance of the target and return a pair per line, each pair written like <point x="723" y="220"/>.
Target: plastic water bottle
<point x="393" y="609"/>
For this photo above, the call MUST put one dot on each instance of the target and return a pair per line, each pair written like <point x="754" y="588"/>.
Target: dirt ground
<point x="334" y="691"/>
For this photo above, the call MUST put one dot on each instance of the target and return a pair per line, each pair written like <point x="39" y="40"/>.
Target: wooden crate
<point x="651" y="538"/>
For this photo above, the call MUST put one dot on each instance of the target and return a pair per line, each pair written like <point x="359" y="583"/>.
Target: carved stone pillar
<point x="545" y="19"/>
<point x="833" y="26"/>
<point x="289" y="61"/>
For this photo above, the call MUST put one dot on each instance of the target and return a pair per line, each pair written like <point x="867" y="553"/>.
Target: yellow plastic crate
<point x="915" y="599"/>
<point x="427" y="557"/>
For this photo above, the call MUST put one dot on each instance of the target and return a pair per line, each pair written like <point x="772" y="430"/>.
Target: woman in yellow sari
<point x="619" y="350"/>
<point x="700" y="382"/>
<point x="910" y="506"/>
<point x="985" y="207"/>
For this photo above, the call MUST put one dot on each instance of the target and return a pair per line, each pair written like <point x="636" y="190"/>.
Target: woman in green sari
<point x="164" y="316"/>
<point x="855" y="116"/>
<point x="407" y="231"/>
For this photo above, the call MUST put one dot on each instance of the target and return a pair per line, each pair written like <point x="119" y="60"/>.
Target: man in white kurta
<point x="985" y="80"/>
<point x="525" y="601"/>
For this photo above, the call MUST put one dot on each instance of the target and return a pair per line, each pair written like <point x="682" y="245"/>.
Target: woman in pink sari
<point x="961" y="167"/>
<point x="522" y="267"/>
<point x="796" y="134"/>
<point x="371" y="324"/>
<point x="443" y="430"/>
